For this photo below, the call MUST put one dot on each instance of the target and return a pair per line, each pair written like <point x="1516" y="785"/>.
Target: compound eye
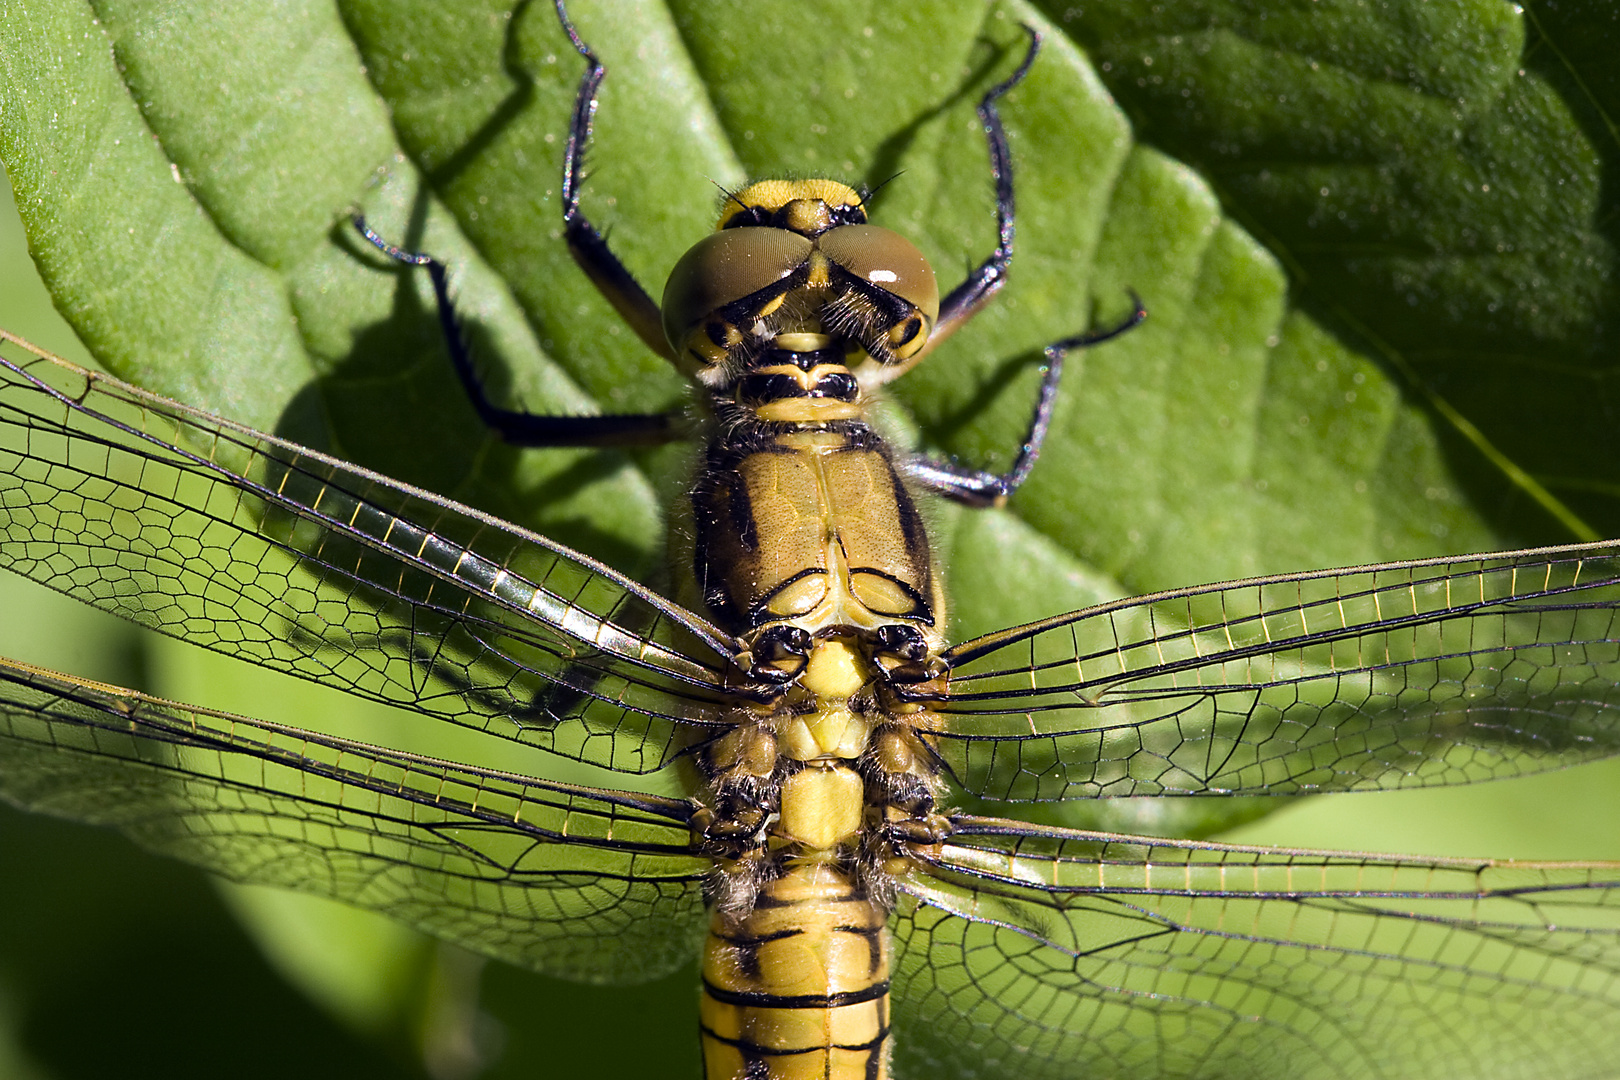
<point x="725" y="267"/>
<point x="892" y="263"/>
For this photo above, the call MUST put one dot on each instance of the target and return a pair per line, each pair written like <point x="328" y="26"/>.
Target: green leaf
<point x="1375" y="241"/>
<point x="1432" y="176"/>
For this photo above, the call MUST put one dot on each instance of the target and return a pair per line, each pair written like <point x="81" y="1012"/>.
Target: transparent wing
<point x="295" y="561"/>
<point x="1063" y="954"/>
<point x="574" y="881"/>
<point x="1399" y="675"/>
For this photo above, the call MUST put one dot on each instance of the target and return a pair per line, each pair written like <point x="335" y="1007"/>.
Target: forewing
<point x="569" y="880"/>
<point x="298" y="562"/>
<point x="1061" y="954"/>
<point x="1400" y="675"/>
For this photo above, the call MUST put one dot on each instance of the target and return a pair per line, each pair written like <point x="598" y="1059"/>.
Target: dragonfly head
<point x="792" y="270"/>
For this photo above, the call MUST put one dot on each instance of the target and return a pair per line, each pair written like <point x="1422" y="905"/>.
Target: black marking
<point x="750" y="999"/>
<point x="849" y="896"/>
<point x="719" y="333"/>
<point x="862" y="437"/>
<point x="833" y="355"/>
<point x="761" y="387"/>
<point x="920" y="612"/>
<point x="873" y="936"/>
<point x="752" y="1051"/>
<point x="748" y="964"/>
<point x="838" y="385"/>
<point x="911" y="526"/>
<point x="901" y="641"/>
<point x="754" y="941"/>
<point x="772" y="386"/>
<point x="760" y="612"/>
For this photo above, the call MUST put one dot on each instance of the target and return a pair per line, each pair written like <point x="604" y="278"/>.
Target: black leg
<point x="604" y="269"/>
<point x="589" y="249"/>
<point x="521" y="428"/>
<point x="975" y="487"/>
<point x="983" y="283"/>
<point x="960" y="304"/>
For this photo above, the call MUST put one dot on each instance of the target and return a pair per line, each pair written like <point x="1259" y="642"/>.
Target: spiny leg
<point x="588" y="247"/>
<point x="976" y="487"/>
<point x="962" y="302"/>
<point x="516" y="427"/>
<point x="605" y="271"/>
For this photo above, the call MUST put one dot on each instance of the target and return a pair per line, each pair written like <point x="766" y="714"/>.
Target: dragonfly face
<point x="949" y="936"/>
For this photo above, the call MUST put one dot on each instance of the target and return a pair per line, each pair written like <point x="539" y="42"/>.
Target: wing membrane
<point x="1066" y="954"/>
<point x="261" y="549"/>
<point x="560" y="878"/>
<point x="1400" y="675"/>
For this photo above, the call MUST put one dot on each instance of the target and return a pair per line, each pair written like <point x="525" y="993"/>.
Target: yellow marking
<point x="818" y="271"/>
<point x="822" y="808"/>
<point x="836" y="669"/>
<point x="840" y="733"/>
<point x="830" y="733"/>
<point x="894" y="754"/>
<point x="799" y="598"/>
<point x="775" y="194"/>
<point x="797" y="374"/>
<point x="882" y="595"/>
<point x="745" y="749"/>
<point x="706" y="352"/>
<point x="803" y="342"/>
<point x="807" y="411"/>
<point x="808" y="216"/>
<point x="812" y="441"/>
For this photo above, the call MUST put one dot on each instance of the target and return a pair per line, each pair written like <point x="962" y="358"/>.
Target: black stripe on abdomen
<point x="761" y="1000"/>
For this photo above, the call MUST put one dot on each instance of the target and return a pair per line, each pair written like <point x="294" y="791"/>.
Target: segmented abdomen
<point x="798" y="987"/>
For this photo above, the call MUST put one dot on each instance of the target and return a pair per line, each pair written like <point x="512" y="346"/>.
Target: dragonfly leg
<point x="589" y="248"/>
<point x="977" y="487"/>
<point x="986" y="279"/>
<point x="514" y="426"/>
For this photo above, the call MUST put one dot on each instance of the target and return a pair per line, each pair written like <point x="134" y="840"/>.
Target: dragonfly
<point x="1359" y="662"/>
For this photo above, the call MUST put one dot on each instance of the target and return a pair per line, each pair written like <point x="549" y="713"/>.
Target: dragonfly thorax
<point x="811" y="527"/>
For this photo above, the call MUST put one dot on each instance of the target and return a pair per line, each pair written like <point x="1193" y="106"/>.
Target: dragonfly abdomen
<point x="799" y="986"/>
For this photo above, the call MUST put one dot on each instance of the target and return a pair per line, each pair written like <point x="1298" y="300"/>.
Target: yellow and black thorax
<point x="786" y="315"/>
